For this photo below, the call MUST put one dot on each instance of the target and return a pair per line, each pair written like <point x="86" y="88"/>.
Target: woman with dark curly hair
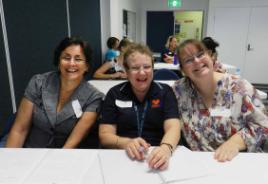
<point x="58" y="107"/>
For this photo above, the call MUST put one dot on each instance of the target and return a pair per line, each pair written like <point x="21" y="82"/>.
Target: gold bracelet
<point x="170" y="147"/>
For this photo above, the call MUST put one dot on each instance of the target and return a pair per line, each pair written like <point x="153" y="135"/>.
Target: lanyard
<point x="140" y="122"/>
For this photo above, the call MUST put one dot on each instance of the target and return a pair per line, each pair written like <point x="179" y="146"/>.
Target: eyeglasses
<point x="190" y="60"/>
<point x="76" y="59"/>
<point x="136" y="69"/>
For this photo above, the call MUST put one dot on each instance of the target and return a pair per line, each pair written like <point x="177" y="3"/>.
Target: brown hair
<point x="142" y="49"/>
<point x="124" y="43"/>
<point x="198" y="44"/>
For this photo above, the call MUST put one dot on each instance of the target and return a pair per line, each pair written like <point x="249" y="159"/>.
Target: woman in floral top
<point x="218" y="111"/>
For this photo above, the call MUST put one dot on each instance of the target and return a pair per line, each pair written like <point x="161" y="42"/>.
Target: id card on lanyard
<point x="140" y="118"/>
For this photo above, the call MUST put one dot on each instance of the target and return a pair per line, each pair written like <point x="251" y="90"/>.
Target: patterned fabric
<point x="116" y="66"/>
<point x="218" y="67"/>
<point x="206" y="130"/>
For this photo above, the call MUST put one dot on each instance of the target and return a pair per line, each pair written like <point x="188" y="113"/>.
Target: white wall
<point x="112" y="19"/>
<point x="229" y="3"/>
<point x="116" y="18"/>
<point x="237" y="24"/>
<point x="161" y="5"/>
<point x="105" y="24"/>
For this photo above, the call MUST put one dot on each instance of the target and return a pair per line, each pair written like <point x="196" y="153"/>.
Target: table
<point x="168" y="66"/>
<point x="105" y="85"/>
<point x="229" y="68"/>
<point x="69" y="166"/>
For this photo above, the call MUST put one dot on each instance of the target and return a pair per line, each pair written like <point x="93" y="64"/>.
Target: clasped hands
<point x="158" y="158"/>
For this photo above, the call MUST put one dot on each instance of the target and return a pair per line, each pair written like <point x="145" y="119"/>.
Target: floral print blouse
<point x="236" y="108"/>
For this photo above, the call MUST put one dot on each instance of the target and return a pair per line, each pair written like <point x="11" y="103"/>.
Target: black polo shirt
<point x="122" y="108"/>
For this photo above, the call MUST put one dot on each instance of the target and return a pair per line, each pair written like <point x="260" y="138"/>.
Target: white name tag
<point x="123" y="104"/>
<point x="77" y="108"/>
<point x="220" y="112"/>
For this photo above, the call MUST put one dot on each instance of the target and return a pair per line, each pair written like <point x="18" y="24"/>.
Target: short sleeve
<point x="111" y="54"/>
<point x="109" y="110"/>
<point x="177" y="91"/>
<point x="94" y="101"/>
<point x="170" y="104"/>
<point x="34" y="88"/>
<point x="254" y="118"/>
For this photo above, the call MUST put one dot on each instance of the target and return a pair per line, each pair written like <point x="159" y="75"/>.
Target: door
<point x="256" y="64"/>
<point x="230" y="28"/>
<point x="160" y="25"/>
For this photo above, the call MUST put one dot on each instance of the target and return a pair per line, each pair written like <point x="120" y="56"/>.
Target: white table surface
<point x="69" y="166"/>
<point x="230" y="68"/>
<point x="105" y="85"/>
<point x="168" y="66"/>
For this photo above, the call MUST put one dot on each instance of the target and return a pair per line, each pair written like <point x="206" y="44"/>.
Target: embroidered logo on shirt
<point x="155" y="103"/>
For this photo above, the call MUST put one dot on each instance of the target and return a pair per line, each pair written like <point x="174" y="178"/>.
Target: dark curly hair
<point x="68" y="41"/>
<point x="111" y="42"/>
<point x="210" y="44"/>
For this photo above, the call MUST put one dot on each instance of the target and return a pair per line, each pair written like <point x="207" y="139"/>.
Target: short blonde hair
<point x="139" y="48"/>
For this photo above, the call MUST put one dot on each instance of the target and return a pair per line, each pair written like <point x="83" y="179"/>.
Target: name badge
<point x="77" y="108"/>
<point x="220" y="112"/>
<point x="123" y="104"/>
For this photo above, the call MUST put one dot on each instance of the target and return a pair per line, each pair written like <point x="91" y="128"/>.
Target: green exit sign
<point x="174" y="3"/>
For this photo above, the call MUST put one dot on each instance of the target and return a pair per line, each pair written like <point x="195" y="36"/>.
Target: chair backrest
<point x="8" y="125"/>
<point x="165" y="74"/>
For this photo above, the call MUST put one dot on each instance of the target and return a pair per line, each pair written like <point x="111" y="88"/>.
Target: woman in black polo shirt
<point x="141" y="113"/>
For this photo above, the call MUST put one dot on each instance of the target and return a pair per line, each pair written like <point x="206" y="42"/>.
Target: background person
<point x="112" y="52"/>
<point x="211" y="46"/>
<point x="218" y="111"/>
<point x="58" y="108"/>
<point x="140" y="112"/>
<point x="114" y="69"/>
<point x="170" y="50"/>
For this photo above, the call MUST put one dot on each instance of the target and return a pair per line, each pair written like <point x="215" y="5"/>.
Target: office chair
<point x="6" y="129"/>
<point x="165" y="74"/>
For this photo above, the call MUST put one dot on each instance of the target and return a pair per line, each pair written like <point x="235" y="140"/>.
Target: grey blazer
<point x="49" y="128"/>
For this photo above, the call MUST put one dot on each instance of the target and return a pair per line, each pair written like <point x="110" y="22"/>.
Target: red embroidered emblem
<point x="155" y="103"/>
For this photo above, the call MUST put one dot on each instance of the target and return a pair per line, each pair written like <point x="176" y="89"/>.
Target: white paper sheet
<point x="62" y="167"/>
<point x="183" y="166"/>
<point x="16" y="164"/>
<point x="118" y="168"/>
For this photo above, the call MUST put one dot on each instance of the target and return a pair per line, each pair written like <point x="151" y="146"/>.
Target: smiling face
<point x="173" y="44"/>
<point x="73" y="63"/>
<point x="140" y="72"/>
<point x="195" y="63"/>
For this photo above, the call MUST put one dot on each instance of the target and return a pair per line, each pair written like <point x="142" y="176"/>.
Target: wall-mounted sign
<point x="174" y="3"/>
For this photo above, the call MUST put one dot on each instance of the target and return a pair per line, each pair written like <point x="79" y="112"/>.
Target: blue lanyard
<point x="140" y="122"/>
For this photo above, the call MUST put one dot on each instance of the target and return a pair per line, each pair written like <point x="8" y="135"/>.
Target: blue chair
<point x="165" y="74"/>
<point x="6" y="129"/>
